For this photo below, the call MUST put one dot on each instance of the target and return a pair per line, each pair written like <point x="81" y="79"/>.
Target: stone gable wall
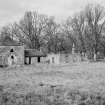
<point x="5" y="53"/>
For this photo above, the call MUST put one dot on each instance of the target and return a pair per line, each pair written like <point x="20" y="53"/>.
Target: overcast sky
<point x="13" y="10"/>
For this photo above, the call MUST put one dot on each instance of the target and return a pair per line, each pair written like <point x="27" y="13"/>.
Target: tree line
<point x="85" y="29"/>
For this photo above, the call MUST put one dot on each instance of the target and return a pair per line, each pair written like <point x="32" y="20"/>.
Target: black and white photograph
<point x="52" y="52"/>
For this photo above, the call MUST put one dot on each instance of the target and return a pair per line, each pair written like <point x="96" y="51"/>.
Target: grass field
<point x="41" y="84"/>
<point x="82" y="76"/>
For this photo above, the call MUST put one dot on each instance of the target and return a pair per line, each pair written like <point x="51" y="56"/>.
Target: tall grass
<point x="57" y="96"/>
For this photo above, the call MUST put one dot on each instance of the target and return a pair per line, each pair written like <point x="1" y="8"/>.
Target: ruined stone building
<point x="11" y="52"/>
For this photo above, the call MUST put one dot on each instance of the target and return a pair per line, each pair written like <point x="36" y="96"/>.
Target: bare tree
<point x="78" y="27"/>
<point x="68" y="35"/>
<point x="31" y="27"/>
<point x="67" y="29"/>
<point x="95" y="20"/>
<point x="12" y="31"/>
<point x="51" y="35"/>
<point x="74" y="30"/>
<point x="7" y="31"/>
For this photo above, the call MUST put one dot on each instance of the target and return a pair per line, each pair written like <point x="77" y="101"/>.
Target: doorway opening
<point x="12" y="57"/>
<point x="38" y="59"/>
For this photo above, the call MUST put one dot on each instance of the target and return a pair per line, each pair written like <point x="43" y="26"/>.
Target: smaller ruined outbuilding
<point x="33" y="53"/>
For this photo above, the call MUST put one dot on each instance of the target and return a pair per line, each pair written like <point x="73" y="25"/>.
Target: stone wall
<point x="69" y="58"/>
<point x="64" y="58"/>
